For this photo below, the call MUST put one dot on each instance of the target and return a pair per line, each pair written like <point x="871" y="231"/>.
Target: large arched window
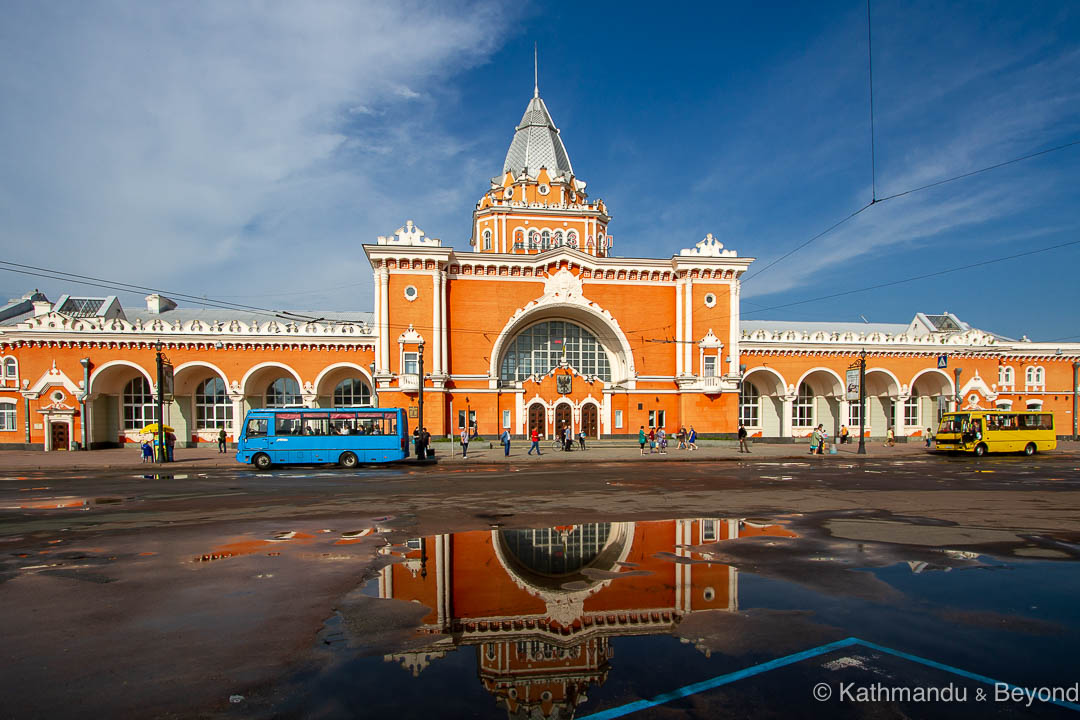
<point x="803" y="411"/>
<point x="557" y="239"/>
<point x="283" y="392"/>
<point x="138" y="404"/>
<point x="534" y="239"/>
<point x="538" y="349"/>
<point x="487" y="239"/>
<point x="213" y="408"/>
<point x="352" y="392"/>
<point x="749" y="403"/>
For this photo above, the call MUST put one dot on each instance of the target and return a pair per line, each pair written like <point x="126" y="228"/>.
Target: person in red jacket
<point x="535" y="437"/>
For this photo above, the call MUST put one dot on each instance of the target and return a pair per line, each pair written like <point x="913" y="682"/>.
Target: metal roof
<point x="537" y="144"/>
<point x="828" y="327"/>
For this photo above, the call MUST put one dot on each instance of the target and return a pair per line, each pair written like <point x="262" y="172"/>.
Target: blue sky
<point x="246" y="150"/>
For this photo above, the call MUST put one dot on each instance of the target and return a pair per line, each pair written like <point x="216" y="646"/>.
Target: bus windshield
<point x="953" y="424"/>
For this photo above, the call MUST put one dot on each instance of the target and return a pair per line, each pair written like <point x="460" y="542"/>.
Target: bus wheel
<point x="347" y="460"/>
<point x="980" y="449"/>
<point x="261" y="461"/>
<point x="1029" y="449"/>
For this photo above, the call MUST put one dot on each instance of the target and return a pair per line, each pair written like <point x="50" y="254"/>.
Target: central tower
<point x="537" y="204"/>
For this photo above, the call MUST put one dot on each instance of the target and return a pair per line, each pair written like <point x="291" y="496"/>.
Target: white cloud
<point x="226" y="147"/>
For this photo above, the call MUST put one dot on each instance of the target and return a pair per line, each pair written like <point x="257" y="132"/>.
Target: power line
<point x="879" y="201"/>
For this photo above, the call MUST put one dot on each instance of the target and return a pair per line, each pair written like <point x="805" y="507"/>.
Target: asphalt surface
<point x="164" y="593"/>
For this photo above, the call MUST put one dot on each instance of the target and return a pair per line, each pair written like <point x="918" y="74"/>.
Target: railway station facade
<point x="535" y="324"/>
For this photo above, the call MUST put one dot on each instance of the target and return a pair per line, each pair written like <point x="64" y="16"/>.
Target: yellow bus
<point x="983" y="431"/>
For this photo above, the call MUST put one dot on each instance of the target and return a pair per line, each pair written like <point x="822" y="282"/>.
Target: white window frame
<point x="349" y="399"/>
<point x="214" y="415"/>
<point x="802" y="408"/>
<point x="911" y="411"/>
<point x="854" y="412"/>
<point x="506" y="419"/>
<point x="487" y="239"/>
<point x="708" y="369"/>
<point x="9" y="416"/>
<point x="410" y="362"/>
<point x="11" y="363"/>
<point x="1035" y="376"/>
<point x="618" y="420"/>
<point x="142" y="413"/>
<point x="750" y="412"/>
<point x="1006" y="376"/>
<point x="656" y="416"/>
<point x="1034" y="405"/>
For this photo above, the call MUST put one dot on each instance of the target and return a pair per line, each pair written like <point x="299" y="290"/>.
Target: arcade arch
<point x="763" y="399"/>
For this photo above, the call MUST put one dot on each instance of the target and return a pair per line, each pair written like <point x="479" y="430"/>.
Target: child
<point x="147" y="451"/>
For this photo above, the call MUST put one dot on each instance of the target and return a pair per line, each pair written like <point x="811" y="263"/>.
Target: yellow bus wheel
<point x="1029" y="449"/>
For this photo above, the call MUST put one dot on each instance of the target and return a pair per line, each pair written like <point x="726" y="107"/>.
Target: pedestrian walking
<point x="568" y="439"/>
<point x="147" y="451"/>
<point x="534" y="436"/>
<point x="641" y="438"/>
<point x="682" y="438"/>
<point x="661" y="441"/>
<point x="506" y="442"/>
<point x="929" y="436"/>
<point x="844" y="435"/>
<point x="815" y="440"/>
<point x="581" y="439"/>
<point x="652" y="440"/>
<point x="464" y="443"/>
<point x="890" y="438"/>
<point x="743" y="446"/>
<point x="691" y="439"/>
<point x="823" y="438"/>
<point x="170" y="443"/>
<point x="221" y="437"/>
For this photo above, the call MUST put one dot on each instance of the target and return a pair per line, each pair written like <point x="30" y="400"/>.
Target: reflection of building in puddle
<point x="919" y="566"/>
<point x="541" y="605"/>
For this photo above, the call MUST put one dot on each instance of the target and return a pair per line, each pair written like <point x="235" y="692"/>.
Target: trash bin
<point x="431" y="453"/>
<point x="76" y="446"/>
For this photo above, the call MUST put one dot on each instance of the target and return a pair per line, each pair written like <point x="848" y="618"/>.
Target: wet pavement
<point x="914" y="586"/>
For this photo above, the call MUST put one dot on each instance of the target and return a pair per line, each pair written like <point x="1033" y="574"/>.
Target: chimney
<point x="157" y="304"/>
<point x="42" y="307"/>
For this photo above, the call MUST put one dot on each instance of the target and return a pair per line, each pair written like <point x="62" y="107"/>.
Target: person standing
<point x="743" y="447"/>
<point x="641" y="438"/>
<point x="661" y="441"/>
<point x="170" y="444"/>
<point x="652" y="440"/>
<point x="506" y="442"/>
<point x="568" y="439"/>
<point x="815" y="440"/>
<point x="221" y="438"/>
<point x="823" y="438"/>
<point x="844" y="439"/>
<point x="534" y="436"/>
<point x="691" y="439"/>
<point x="581" y="438"/>
<point x="464" y="443"/>
<point x="147" y="451"/>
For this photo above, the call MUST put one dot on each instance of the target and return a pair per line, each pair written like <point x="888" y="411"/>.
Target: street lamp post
<point x="1076" y="388"/>
<point x="420" y="404"/>
<point x="85" y="362"/>
<point x="160" y="405"/>
<point x="862" y="402"/>
<point x="956" y="386"/>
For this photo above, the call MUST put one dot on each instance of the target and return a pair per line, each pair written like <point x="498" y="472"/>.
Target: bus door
<point x="287" y="444"/>
<point x="317" y="441"/>
<point x="255" y="434"/>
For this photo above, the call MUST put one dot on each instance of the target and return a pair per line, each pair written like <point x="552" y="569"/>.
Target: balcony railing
<point x="410" y="381"/>
<point x="710" y="384"/>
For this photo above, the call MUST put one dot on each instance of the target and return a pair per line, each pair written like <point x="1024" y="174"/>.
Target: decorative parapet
<point x="409" y="235"/>
<point x="972" y="338"/>
<point x="57" y="323"/>
<point x="708" y="247"/>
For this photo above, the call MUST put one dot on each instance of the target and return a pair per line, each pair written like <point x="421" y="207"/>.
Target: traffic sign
<point x="942" y="361"/>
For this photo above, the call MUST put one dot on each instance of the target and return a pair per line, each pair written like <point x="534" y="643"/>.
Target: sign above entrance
<point x="942" y="361"/>
<point x="564" y="384"/>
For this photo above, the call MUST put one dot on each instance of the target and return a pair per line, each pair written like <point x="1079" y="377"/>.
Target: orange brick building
<point x="536" y="324"/>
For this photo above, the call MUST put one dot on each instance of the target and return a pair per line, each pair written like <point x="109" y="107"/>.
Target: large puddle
<point x="699" y="617"/>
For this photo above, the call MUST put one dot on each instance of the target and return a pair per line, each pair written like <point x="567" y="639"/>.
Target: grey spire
<point x="537" y="144"/>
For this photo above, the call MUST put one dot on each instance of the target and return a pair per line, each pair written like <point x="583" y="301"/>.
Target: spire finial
<point x="536" y="73"/>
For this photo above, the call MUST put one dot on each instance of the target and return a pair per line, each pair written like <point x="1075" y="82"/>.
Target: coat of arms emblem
<point x="564" y="384"/>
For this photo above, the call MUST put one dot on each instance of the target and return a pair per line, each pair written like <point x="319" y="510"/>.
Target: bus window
<point x="343" y="423"/>
<point x="993" y="422"/>
<point x="390" y="423"/>
<point x="1008" y="422"/>
<point x="316" y="424"/>
<point x="1037" y="421"/>
<point x="287" y="424"/>
<point x="256" y="427"/>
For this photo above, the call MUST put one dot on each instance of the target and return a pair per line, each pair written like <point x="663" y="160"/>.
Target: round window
<point x="543" y="189"/>
<point x="973" y="399"/>
<point x="508" y="193"/>
<point x="411" y="293"/>
<point x="709" y="594"/>
<point x="710" y="300"/>
<point x="58" y="396"/>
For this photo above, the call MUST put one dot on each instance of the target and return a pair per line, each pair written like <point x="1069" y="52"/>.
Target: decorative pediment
<point x="52" y="377"/>
<point x="562" y="286"/>
<point x="708" y="247"/>
<point x="409" y="235"/>
<point x="710" y="341"/>
<point x="410" y="336"/>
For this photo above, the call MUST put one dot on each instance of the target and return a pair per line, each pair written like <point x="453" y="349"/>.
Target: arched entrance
<point x="562" y="418"/>
<point x="589" y="422"/>
<point x="536" y="420"/>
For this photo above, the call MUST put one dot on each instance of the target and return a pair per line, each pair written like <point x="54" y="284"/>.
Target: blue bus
<point x="346" y="436"/>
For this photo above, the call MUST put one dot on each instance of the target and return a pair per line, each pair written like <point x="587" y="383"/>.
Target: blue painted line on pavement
<point x="728" y="678"/>
<point x="720" y="680"/>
